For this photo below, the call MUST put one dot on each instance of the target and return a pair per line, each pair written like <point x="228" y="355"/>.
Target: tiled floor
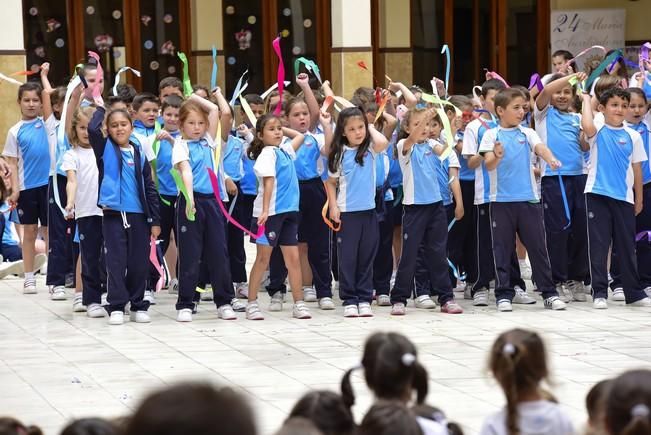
<point x="56" y="365"/>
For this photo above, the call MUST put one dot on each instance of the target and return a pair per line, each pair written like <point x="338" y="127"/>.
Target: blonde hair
<point x="80" y="113"/>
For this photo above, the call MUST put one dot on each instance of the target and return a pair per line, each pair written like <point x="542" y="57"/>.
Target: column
<point x="395" y="53"/>
<point x="12" y="58"/>
<point x="207" y="25"/>
<point x="351" y="42"/>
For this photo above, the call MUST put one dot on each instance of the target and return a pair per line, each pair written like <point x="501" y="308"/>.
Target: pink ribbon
<point x="535" y="81"/>
<point x="584" y="52"/>
<point x="153" y="258"/>
<point x="97" y="91"/>
<point x="281" y="77"/>
<point x="643" y="234"/>
<point x="215" y="188"/>
<point x="496" y="76"/>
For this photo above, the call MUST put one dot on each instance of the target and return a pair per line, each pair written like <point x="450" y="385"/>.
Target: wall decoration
<point x="251" y="19"/>
<point x="230" y="10"/>
<point x="149" y="44"/>
<point x="59" y="43"/>
<point x="154" y="65"/>
<point x="243" y="38"/>
<point x="307" y="23"/>
<point x="576" y="30"/>
<point x="117" y="14"/>
<point x="145" y="19"/>
<point x="287" y="12"/>
<point x="52" y="25"/>
<point x="167" y="18"/>
<point x="103" y="42"/>
<point x="231" y="60"/>
<point x="168" y="48"/>
<point x="171" y="69"/>
<point x="40" y="51"/>
<point x="33" y="12"/>
<point x="90" y="10"/>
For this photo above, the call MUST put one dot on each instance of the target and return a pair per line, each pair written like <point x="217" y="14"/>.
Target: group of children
<point x="399" y="383"/>
<point x="417" y="194"/>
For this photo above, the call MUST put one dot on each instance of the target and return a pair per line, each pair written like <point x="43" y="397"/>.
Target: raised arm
<point x="303" y="82"/>
<point x="326" y="123"/>
<point x="410" y="98"/>
<point x="73" y="104"/>
<point x="47" y="91"/>
<point x="587" y="118"/>
<point x="380" y="143"/>
<point x="548" y="91"/>
<point x="213" y="113"/>
<point x="95" y="135"/>
<point x="296" y="137"/>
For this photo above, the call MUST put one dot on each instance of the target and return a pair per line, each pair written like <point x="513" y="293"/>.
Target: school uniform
<point x="10" y="247"/>
<point x="395" y="178"/>
<point x="560" y="131"/>
<point x="202" y="242"/>
<point x="88" y="218"/>
<point x="424" y="221"/>
<point x="357" y="240"/>
<point x="128" y="198"/>
<point x="383" y="263"/>
<point x="515" y="209"/>
<point x="167" y="190"/>
<point x="610" y="207"/>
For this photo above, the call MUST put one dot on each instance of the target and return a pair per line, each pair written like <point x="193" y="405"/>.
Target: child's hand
<point x="76" y="92"/>
<point x="498" y="150"/>
<point x="458" y="212"/>
<point x="581" y="76"/>
<point x="394" y="86"/>
<point x="45" y="69"/>
<point x="165" y="135"/>
<point x="325" y="84"/>
<point x="335" y="213"/>
<point x="189" y="207"/>
<point x="325" y="118"/>
<point x="231" y="187"/>
<point x="303" y="80"/>
<point x="217" y="91"/>
<point x="99" y="101"/>
<point x="13" y="198"/>
<point x="262" y="219"/>
<point x="155" y="231"/>
<point x="243" y="130"/>
<point x="70" y="211"/>
<point x="555" y="164"/>
<point x="639" y="205"/>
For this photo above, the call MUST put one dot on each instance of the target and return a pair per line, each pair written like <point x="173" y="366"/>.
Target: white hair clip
<point x="640" y="410"/>
<point x="508" y="349"/>
<point x="408" y="359"/>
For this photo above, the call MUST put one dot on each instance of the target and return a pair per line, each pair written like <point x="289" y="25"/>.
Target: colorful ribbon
<point x="642" y="235"/>
<point x="154" y="163"/>
<point x="117" y="77"/>
<point x="97" y="89"/>
<point x="247" y="110"/>
<point x="334" y="226"/>
<point x="602" y="66"/>
<point x="281" y="76"/>
<point x="238" y="88"/>
<point x="380" y="109"/>
<point x="444" y="120"/>
<point x="446" y="50"/>
<point x="153" y="258"/>
<point x="28" y="72"/>
<point x="10" y="80"/>
<point x="213" y="73"/>
<point x="271" y="88"/>
<point x="565" y="204"/>
<point x="189" y="213"/>
<point x="496" y="76"/>
<point x="599" y="47"/>
<point x="310" y="65"/>
<point x="535" y="81"/>
<point x="327" y="102"/>
<point x="187" y="84"/>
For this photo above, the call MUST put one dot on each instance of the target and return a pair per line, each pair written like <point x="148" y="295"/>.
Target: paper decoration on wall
<point x="287" y="12"/>
<point x="145" y="19"/>
<point x="33" y="12"/>
<point x="252" y="19"/>
<point x="167" y="18"/>
<point x="103" y="42"/>
<point x="39" y="51"/>
<point x="243" y="38"/>
<point x="168" y="48"/>
<point x="171" y="69"/>
<point x="284" y="33"/>
<point x="231" y="60"/>
<point x="90" y="10"/>
<point x="149" y="44"/>
<point x="59" y="43"/>
<point x="52" y="25"/>
<point x="34" y="68"/>
<point x="154" y="65"/>
<point x="117" y="14"/>
<point x="230" y="10"/>
<point x="307" y="23"/>
<point x="296" y="50"/>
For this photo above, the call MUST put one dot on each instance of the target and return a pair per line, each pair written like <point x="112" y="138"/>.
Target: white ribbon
<point x="275" y="86"/>
<point x="10" y="80"/>
<point x="117" y="77"/>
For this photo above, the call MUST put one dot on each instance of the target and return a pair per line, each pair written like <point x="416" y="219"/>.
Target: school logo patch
<point x="51" y="200"/>
<point x="622" y="141"/>
<point x="428" y="153"/>
<point x="38" y="125"/>
<point x="405" y="236"/>
<point x="20" y="212"/>
<point x="272" y="235"/>
<point x="494" y="224"/>
<point x="482" y="212"/>
<point x="545" y="206"/>
<point x="338" y="239"/>
<point x="591" y="215"/>
<point x="183" y="228"/>
<point x="81" y="237"/>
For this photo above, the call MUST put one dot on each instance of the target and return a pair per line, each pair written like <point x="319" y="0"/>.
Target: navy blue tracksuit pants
<point x="566" y="246"/>
<point x="612" y="221"/>
<point x="91" y="244"/>
<point x="60" y="236"/>
<point x="242" y="211"/>
<point x="383" y="263"/>
<point x="167" y="219"/>
<point x="422" y="285"/>
<point x="462" y="238"/>
<point x="202" y="241"/>
<point x="357" y="243"/>
<point x="526" y="220"/>
<point x="127" y="259"/>
<point x="423" y="224"/>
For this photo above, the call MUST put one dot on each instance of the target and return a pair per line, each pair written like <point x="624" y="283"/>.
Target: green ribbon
<point x="181" y="186"/>
<point x="310" y="65"/>
<point x="156" y="146"/>
<point x="187" y="84"/>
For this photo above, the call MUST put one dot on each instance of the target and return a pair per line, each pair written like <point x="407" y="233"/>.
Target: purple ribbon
<point x="643" y="234"/>
<point x="535" y="81"/>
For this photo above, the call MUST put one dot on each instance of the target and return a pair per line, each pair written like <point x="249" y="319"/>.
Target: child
<point x="82" y="187"/>
<point x="391" y="418"/>
<point x="170" y="86"/>
<point x="276" y="208"/>
<point x="472" y="138"/>
<point x="201" y="242"/>
<point x="614" y="195"/>
<point x="595" y="403"/>
<point x="327" y="411"/>
<point x="560" y="59"/>
<point x="515" y="204"/>
<point x="424" y="220"/>
<point x="566" y="240"/>
<point x="351" y="166"/>
<point x="129" y="200"/>
<point x="628" y="403"/>
<point x="518" y="362"/>
<point x="28" y="153"/>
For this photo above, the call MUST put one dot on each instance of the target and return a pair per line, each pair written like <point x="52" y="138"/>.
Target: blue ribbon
<point x="451" y="224"/>
<point x="213" y="75"/>
<point x="446" y="50"/>
<point x="452" y="266"/>
<point x="565" y="204"/>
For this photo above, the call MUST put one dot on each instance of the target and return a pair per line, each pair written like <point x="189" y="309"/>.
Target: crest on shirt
<point x="622" y="141"/>
<point x="271" y="235"/>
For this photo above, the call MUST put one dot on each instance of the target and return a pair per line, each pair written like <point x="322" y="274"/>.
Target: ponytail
<point x="420" y="382"/>
<point x="637" y="426"/>
<point x="347" y="393"/>
<point x="257" y="145"/>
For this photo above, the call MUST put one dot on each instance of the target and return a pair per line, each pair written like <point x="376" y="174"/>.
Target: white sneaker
<point x="398" y="309"/>
<point x="309" y="294"/>
<point x="648" y="291"/>
<point x="525" y="269"/>
<point x="149" y="297"/>
<point x="645" y="302"/>
<point x="104" y="299"/>
<point x="326" y="304"/>
<point x="173" y="288"/>
<point x="618" y="295"/>
<point x="241" y="290"/>
<point x="554" y="303"/>
<point x="564" y="294"/>
<point x="600" y="304"/>
<point x="11" y="268"/>
<point x="301" y="311"/>
<point x="383" y="300"/>
<point x="253" y="311"/>
<point x="184" y="315"/>
<point x="480" y="299"/>
<point x="206" y="295"/>
<point x="140" y="317"/>
<point x="238" y="305"/>
<point x="504" y="306"/>
<point x="577" y="290"/>
<point x="29" y="286"/>
<point x="58" y="293"/>
<point x="521" y="297"/>
<point x="95" y="311"/>
<point x="276" y="303"/>
<point x="77" y="304"/>
<point x="116" y="318"/>
<point x="461" y="286"/>
<point x="364" y="309"/>
<point x="424" y="302"/>
<point x="226" y="312"/>
<point x="351" y="311"/>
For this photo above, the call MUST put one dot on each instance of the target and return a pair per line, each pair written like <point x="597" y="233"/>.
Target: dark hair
<point x="254" y="99"/>
<point x="639" y="92"/>
<point x="172" y="101"/>
<point x="491" y="85"/>
<point x="564" y="53"/>
<point x="11" y="426"/>
<point x="505" y="96"/>
<point x="298" y="426"/>
<point x="595" y="401"/>
<point x="143" y="98"/>
<point x="391" y="369"/>
<point x="389" y="418"/>
<point x="459" y="101"/>
<point x="519" y="363"/>
<point x="435" y="414"/>
<point x="257" y="145"/>
<point x="628" y="404"/>
<point x="362" y="96"/>
<point x="114" y="99"/>
<point x="207" y="410"/>
<point x="327" y="411"/>
<point x="170" y="82"/>
<point x="90" y="426"/>
<point x="339" y="140"/>
<point x="126" y="92"/>
<point x="198" y="87"/>
<point x="612" y="93"/>
<point x="58" y="95"/>
<point x="524" y="90"/>
<point x="28" y="87"/>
